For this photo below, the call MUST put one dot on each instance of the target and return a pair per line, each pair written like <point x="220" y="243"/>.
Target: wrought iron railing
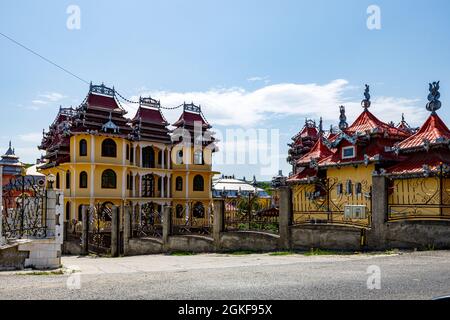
<point x="425" y="198"/>
<point x="193" y="218"/>
<point x="325" y="202"/>
<point x="24" y="207"/>
<point x="147" y="222"/>
<point x="248" y="213"/>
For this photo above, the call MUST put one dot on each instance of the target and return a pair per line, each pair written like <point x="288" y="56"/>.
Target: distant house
<point x="231" y="187"/>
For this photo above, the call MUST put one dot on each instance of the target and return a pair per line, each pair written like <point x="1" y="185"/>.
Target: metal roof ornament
<point x="342" y="119"/>
<point x="366" y="102"/>
<point x="110" y="125"/>
<point x="434" y="104"/>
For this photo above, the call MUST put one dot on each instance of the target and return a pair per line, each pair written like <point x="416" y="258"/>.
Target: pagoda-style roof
<point x="368" y="123"/>
<point x="149" y="122"/>
<point x="433" y="132"/>
<point x="191" y="114"/>
<point x="303" y="176"/>
<point x="421" y="163"/>
<point x="317" y="153"/>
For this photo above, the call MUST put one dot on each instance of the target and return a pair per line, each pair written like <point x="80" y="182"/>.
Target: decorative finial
<point x="434" y="104"/>
<point x="366" y="102"/>
<point x="320" y="126"/>
<point x="343" y="119"/>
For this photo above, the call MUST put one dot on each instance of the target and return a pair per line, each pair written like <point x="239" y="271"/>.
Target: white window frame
<point x="348" y="148"/>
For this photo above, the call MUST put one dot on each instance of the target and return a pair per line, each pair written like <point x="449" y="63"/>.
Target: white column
<point x="124" y="153"/>
<point x="169" y="158"/>
<point x="140" y="156"/>
<point x="92" y="148"/>
<point x="92" y="176"/>
<point x="134" y="154"/>
<point x="134" y="185"/>
<point x="162" y="187"/>
<point x="168" y="185"/>
<point x="140" y="185"/>
<point x="124" y="185"/>
<point x="162" y="158"/>
<point x="187" y="185"/>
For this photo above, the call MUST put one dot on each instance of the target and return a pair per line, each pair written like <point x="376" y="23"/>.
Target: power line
<point x="43" y="58"/>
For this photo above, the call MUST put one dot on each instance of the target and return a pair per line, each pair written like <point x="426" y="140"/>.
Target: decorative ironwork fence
<point x="198" y="219"/>
<point x="24" y="207"/>
<point x="99" y="238"/>
<point x="325" y="201"/>
<point x="425" y="198"/>
<point x="147" y="222"/>
<point x="248" y="213"/>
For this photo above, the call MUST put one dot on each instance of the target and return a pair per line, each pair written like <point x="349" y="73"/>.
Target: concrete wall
<point x="43" y="254"/>
<point x="418" y="234"/>
<point x="190" y="243"/>
<point x="11" y="258"/>
<point x="325" y="237"/>
<point x="248" y="240"/>
<point x="144" y="246"/>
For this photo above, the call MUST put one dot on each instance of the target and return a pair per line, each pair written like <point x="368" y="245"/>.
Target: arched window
<point x="128" y="152"/>
<point x="109" y="148"/>
<point x="160" y="157"/>
<point x="199" y="183"/>
<point x="58" y="181"/>
<point x="80" y="212"/>
<point x="179" y="184"/>
<point x="358" y="188"/>
<point x="179" y="159"/>
<point x="159" y="183"/>
<point x="67" y="179"/>
<point x="199" y="210"/>
<point x="109" y="179"/>
<point x="349" y="187"/>
<point x="83" y="180"/>
<point x="148" y="157"/>
<point x="148" y="186"/>
<point x="68" y="211"/>
<point x="179" y="211"/>
<point x="198" y="157"/>
<point x="83" y="148"/>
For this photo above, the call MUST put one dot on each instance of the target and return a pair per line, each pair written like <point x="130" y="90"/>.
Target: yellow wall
<point x="121" y="166"/>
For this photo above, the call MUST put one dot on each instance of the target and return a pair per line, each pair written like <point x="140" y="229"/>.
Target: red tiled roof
<point x="373" y="150"/>
<point x="188" y="118"/>
<point x="102" y="101"/>
<point x="368" y="122"/>
<point x="303" y="175"/>
<point x="433" y="129"/>
<point x="414" y="164"/>
<point x="150" y="116"/>
<point x="319" y="151"/>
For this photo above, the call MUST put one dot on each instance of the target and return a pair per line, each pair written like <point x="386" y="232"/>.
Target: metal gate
<point x="100" y="221"/>
<point x="24" y="207"/>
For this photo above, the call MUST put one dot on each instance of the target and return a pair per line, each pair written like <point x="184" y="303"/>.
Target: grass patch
<point x="282" y="253"/>
<point x="181" y="253"/>
<point x="43" y="273"/>
<point x="321" y="252"/>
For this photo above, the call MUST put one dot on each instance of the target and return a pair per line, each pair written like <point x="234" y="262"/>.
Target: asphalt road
<point x="416" y="275"/>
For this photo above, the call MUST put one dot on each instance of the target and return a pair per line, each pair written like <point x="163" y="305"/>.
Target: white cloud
<point x="53" y="96"/>
<point x="240" y="107"/>
<point x="45" y="99"/>
<point x="265" y="79"/>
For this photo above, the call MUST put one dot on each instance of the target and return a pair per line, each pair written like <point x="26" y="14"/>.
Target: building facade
<point x="100" y="157"/>
<point x="332" y="182"/>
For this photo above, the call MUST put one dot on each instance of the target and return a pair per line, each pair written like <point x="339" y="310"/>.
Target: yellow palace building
<point x="100" y="157"/>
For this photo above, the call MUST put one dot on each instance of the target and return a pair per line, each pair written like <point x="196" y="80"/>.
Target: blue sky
<point x="251" y="64"/>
